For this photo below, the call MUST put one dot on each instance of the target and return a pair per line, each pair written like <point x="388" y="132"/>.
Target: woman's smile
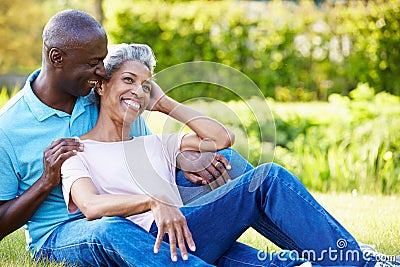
<point x="132" y="104"/>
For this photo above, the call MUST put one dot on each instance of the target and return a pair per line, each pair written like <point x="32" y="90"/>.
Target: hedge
<point x="291" y="51"/>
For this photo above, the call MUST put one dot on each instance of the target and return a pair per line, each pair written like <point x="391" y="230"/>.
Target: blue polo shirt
<point x="27" y="127"/>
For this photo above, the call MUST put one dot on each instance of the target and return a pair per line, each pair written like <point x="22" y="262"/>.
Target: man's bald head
<point x="71" y="29"/>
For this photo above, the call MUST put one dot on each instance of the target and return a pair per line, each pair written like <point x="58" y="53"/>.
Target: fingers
<point x="61" y="149"/>
<point x="221" y="168"/>
<point x="204" y="168"/>
<point x="194" y="178"/>
<point x="214" y="181"/>
<point x="219" y="172"/>
<point x="221" y="158"/>
<point x="180" y="239"/>
<point x="66" y="142"/>
<point x="179" y="235"/>
<point x="189" y="238"/>
<point x="160" y="236"/>
<point x="54" y="155"/>
<point x="155" y="96"/>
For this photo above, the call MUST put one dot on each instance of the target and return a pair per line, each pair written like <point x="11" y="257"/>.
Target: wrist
<point x="166" y="104"/>
<point x="45" y="185"/>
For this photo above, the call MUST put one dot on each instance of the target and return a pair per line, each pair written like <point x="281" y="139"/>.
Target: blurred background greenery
<point x="293" y="50"/>
<point x="329" y="70"/>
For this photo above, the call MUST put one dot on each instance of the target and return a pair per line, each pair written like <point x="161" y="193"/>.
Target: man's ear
<point x="56" y="57"/>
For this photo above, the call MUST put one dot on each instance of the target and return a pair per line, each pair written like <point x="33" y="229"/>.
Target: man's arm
<point x="16" y="212"/>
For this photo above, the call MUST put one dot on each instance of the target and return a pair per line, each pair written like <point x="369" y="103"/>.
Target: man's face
<point x="83" y="66"/>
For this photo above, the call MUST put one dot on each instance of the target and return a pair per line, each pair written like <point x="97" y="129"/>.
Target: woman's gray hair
<point x="120" y="53"/>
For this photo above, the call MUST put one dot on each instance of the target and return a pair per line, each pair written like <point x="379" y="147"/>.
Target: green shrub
<point x="355" y="144"/>
<point x="293" y="52"/>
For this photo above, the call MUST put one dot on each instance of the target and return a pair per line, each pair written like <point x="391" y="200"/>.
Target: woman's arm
<point x="94" y="205"/>
<point x="168" y="218"/>
<point x="210" y="135"/>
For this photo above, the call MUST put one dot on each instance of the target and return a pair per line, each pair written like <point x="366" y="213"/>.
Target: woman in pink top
<point x="118" y="175"/>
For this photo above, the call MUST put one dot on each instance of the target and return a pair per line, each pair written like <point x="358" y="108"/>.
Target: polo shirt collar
<point x="41" y="111"/>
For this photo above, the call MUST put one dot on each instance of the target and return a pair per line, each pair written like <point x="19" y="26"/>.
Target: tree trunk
<point x="98" y="9"/>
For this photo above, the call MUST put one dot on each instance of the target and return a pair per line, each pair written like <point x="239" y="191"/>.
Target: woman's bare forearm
<point x="213" y="135"/>
<point x="94" y="205"/>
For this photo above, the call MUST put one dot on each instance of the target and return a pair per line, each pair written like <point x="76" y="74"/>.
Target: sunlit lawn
<point x="371" y="219"/>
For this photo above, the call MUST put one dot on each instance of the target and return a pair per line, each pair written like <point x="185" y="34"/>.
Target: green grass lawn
<point x="371" y="219"/>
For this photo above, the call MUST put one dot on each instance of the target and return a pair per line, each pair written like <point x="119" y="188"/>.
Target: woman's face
<point x="126" y="95"/>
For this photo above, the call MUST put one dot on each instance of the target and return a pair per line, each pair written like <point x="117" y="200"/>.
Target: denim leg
<point x="109" y="241"/>
<point x="241" y="255"/>
<point x="190" y="192"/>
<point x="220" y="217"/>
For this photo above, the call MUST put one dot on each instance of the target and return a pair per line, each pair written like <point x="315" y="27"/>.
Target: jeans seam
<point x="278" y="234"/>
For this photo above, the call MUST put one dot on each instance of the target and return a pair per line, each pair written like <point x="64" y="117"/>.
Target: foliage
<point x="348" y="144"/>
<point x="291" y="51"/>
<point x="21" y="25"/>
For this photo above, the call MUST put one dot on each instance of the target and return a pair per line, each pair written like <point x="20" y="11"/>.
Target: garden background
<point x="328" y="71"/>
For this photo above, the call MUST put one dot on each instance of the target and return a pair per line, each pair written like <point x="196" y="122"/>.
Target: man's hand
<point x="54" y="156"/>
<point x="16" y="212"/>
<point x="204" y="168"/>
<point x="170" y="220"/>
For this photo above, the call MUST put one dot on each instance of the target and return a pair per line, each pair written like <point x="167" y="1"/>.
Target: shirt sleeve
<point x="171" y="144"/>
<point x="9" y="170"/>
<point x="71" y="170"/>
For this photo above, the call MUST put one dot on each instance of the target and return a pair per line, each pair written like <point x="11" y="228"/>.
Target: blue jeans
<point x="116" y="241"/>
<point x="275" y="203"/>
<point x="109" y="241"/>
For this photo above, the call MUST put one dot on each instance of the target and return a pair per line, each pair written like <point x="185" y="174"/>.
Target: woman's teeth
<point x="132" y="104"/>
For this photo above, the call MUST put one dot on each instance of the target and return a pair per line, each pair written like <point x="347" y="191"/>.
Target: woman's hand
<point x="155" y="96"/>
<point x="170" y="220"/>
